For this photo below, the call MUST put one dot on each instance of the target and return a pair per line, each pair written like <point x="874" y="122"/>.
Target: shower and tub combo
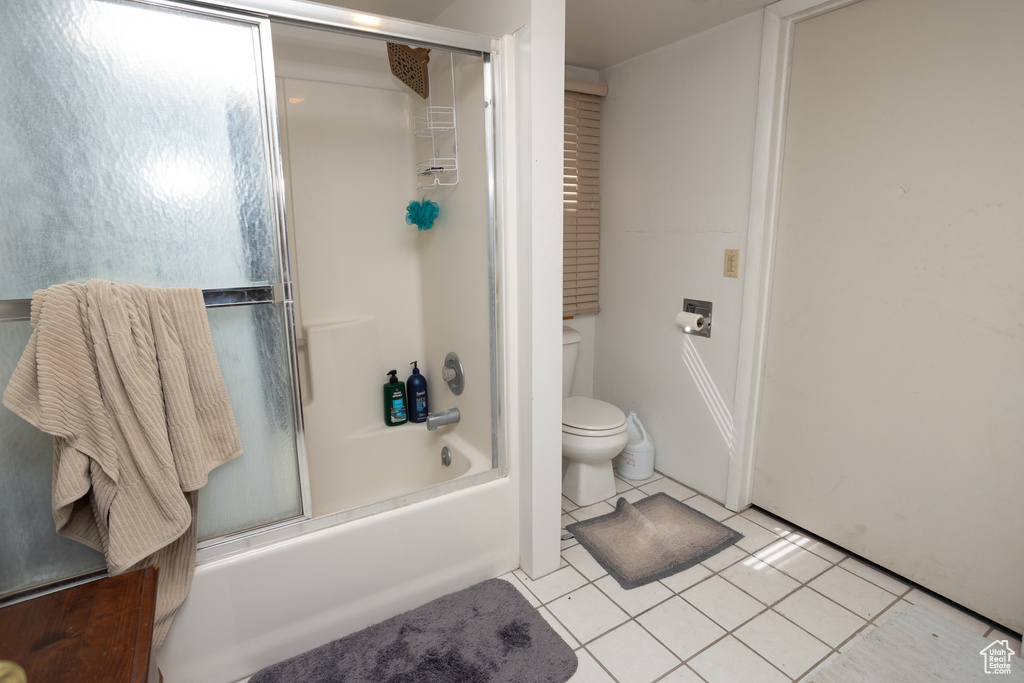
<point x="371" y="291"/>
<point x="330" y="520"/>
<point x="412" y="511"/>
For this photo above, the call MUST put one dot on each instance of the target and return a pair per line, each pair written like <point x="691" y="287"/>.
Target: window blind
<point x="581" y="183"/>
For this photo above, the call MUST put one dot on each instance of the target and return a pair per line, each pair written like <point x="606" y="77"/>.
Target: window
<point x="581" y="196"/>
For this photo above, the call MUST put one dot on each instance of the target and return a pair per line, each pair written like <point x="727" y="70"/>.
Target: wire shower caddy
<point x="437" y="123"/>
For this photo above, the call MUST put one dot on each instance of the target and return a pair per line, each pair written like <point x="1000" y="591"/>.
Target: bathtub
<point x="392" y="529"/>
<point x="387" y="463"/>
<point x="262" y="605"/>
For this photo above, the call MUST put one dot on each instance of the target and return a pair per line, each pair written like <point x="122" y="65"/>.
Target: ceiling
<point x="599" y="33"/>
<point x="603" y="33"/>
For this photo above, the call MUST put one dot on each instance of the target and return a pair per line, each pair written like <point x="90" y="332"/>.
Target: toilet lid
<point x="580" y="412"/>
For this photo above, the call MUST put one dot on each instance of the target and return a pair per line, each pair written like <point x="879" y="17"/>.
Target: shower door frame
<point x="260" y="14"/>
<point x="374" y="27"/>
<point x="283" y="292"/>
<point x="272" y="293"/>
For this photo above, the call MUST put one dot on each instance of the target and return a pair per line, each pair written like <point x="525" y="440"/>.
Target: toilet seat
<point x="585" y="416"/>
<point x="566" y="429"/>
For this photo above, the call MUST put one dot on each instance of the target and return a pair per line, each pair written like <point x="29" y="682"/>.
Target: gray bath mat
<point x="487" y="633"/>
<point x="919" y="645"/>
<point x="653" y="539"/>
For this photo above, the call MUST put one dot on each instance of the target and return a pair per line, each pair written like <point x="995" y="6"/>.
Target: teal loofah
<point x="422" y="213"/>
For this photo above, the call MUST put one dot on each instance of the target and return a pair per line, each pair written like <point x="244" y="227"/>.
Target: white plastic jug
<point x="637" y="459"/>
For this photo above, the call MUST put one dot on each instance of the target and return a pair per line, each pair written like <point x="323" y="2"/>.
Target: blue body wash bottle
<point x="416" y="387"/>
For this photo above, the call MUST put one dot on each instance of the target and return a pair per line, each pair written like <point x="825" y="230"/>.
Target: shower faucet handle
<point x="453" y="374"/>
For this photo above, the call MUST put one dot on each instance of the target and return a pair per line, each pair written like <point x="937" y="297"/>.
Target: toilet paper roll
<point x="690" y="322"/>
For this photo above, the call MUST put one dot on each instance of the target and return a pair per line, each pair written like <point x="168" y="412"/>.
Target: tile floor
<point x="773" y="607"/>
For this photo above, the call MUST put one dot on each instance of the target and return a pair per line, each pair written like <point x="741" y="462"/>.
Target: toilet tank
<point x="571" y="340"/>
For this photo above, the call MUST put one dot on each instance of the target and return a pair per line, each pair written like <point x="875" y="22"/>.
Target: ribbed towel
<point x="126" y="379"/>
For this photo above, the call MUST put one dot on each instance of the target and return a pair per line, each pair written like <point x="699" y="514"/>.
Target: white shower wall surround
<point x="373" y="292"/>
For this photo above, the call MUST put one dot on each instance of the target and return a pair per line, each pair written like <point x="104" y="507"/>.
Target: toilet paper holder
<point x="703" y="309"/>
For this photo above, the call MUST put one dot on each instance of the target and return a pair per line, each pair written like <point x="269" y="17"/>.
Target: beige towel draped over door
<point x="126" y="379"/>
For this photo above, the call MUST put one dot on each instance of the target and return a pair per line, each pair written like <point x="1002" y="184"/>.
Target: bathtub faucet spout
<point x="445" y="417"/>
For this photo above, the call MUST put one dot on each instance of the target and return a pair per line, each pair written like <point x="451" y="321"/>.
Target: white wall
<point x="330" y="87"/>
<point x="532" y="254"/>
<point x="677" y="150"/>
<point x="582" y="73"/>
<point x="357" y="264"/>
<point x="351" y="167"/>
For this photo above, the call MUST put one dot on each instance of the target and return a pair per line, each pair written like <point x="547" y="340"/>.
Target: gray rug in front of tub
<point x="652" y="539"/>
<point x="487" y="633"/>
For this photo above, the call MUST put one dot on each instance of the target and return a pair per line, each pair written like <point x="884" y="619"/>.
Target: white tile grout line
<point x="869" y="623"/>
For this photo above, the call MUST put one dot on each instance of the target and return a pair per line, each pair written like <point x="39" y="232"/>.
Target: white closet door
<point x="892" y="413"/>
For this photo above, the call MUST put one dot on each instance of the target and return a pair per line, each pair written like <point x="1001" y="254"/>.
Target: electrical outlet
<point x="732" y="263"/>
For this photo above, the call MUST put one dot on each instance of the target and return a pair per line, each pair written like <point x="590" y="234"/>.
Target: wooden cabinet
<point x="99" y="631"/>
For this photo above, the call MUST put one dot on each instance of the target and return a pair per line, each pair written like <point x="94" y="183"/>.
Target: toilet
<point x="593" y="432"/>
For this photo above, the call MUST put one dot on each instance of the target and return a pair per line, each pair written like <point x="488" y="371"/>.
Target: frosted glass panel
<point x="133" y="148"/>
<point x="33" y="553"/>
<point x="261" y="485"/>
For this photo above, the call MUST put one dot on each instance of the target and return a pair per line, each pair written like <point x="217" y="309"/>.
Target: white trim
<point x="780" y="19"/>
<point x="586" y="86"/>
<point x="508" y="282"/>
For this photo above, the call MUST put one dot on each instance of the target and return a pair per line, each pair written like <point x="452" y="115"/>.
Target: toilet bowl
<point x="593" y="432"/>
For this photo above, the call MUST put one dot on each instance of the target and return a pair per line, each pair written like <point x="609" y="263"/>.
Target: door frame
<point x="780" y="20"/>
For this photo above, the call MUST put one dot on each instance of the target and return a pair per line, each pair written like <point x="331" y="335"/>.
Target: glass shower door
<point x="137" y="144"/>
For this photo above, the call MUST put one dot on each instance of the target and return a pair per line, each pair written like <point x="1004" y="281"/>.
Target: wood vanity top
<point x="99" y="631"/>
